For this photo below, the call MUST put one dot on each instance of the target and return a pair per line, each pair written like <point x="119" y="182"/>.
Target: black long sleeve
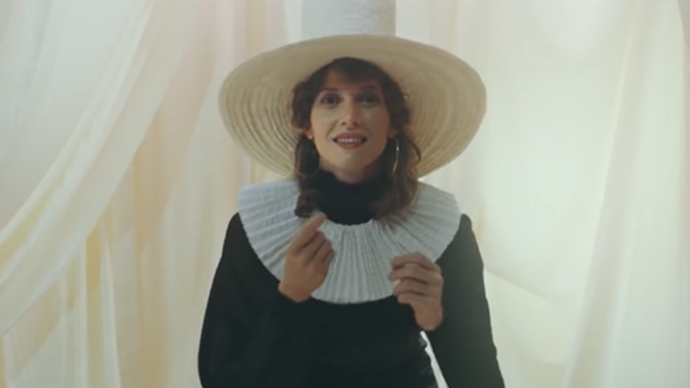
<point x="254" y="337"/>
<point x="463" y="344"/>
<point x="248" y="340"/>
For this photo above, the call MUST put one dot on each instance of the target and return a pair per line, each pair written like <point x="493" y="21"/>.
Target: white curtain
<point x="117" y="180"/>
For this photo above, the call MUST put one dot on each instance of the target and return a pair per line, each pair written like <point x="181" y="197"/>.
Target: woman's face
<point x="350" y="126"/>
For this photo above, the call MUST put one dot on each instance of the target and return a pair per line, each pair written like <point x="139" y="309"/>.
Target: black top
<point x="254" y="337"/>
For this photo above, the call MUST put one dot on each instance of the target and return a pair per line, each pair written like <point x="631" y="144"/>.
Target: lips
<point x="350" y="138"/>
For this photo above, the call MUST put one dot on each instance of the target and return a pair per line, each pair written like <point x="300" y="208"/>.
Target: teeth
<point x="349" y="140"/>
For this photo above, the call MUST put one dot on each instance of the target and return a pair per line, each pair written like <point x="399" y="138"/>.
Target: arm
<point x="251" y="333"/>
<point x="463" y="344"/>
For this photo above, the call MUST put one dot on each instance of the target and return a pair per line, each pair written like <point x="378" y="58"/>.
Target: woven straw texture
<point x="446" y="96"/>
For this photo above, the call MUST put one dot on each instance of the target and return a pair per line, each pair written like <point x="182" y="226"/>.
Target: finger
<point x="309" y="250"/>
<point x="414" y="258"/>
<point x="412" y="298"/>
<point x="308" y="230"/>
<point x="411" y="271"/>
<point x="325" y="265"/>
<point x="329" y="257"/>
<point x="323" y="251"/>
<point x="416" y="287"/>
<point x="418" y="273"/>
<point x="412" y="286"/>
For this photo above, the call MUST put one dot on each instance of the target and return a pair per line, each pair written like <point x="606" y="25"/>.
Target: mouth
<point x="350" y="140"/>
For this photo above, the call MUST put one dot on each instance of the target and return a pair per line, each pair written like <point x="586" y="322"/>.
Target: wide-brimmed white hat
<point x="446" y="96"/>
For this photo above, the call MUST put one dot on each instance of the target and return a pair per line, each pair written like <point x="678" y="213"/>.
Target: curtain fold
<point x="637" y="288"/>
<point x="100" y="139"/>
<point x="117" y="181"/>
<point x="684" y="7"/>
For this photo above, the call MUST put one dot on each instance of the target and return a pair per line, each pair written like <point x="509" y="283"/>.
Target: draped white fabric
<point x="117" y="181"/>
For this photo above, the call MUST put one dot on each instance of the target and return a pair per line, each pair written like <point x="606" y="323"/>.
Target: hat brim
<point x="446" y="96"/>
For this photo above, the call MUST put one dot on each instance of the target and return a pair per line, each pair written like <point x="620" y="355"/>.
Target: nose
<point x="352" y="117"/>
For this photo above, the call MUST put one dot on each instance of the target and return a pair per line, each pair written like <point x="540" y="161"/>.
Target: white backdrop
<point x="117" y="181"/>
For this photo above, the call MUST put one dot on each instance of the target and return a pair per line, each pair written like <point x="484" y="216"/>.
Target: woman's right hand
<point x="309" y="257"/>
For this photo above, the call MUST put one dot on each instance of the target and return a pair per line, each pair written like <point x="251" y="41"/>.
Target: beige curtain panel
<point x="117" y="181"/>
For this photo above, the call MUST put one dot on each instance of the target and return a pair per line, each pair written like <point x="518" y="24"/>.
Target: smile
<point x="350" y="142"/>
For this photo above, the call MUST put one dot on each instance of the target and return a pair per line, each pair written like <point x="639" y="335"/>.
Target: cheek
<point x="378" y="122"/>
<point x="321" y="126"/>
<point x="322" y="122"/>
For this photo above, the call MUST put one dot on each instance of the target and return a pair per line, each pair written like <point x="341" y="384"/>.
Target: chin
<point x="354" y="165"/>
<point x="363" y="170"/>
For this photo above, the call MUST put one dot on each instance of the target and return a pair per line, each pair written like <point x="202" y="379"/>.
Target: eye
<point x="329" y="99"/>
<point x="369" y="99"/>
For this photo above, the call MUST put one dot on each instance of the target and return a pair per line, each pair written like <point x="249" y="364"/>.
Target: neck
<point x="353" y="176"/>
<point x="343" y="202"/>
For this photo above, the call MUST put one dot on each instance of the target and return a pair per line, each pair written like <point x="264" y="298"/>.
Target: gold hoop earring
<point x="397" y="155"/>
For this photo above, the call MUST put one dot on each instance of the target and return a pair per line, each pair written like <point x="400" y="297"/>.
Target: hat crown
<point x="322" y="18"/>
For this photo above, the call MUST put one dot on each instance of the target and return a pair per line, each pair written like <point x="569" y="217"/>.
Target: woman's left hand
<point x="420" y="284"/>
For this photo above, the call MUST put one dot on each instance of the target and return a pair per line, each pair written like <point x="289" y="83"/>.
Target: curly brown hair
<point x="400" y="185"/>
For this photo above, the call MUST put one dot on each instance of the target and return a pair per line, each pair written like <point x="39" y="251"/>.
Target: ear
<point x="309" y="133"/>
<point x="392" y="132"/>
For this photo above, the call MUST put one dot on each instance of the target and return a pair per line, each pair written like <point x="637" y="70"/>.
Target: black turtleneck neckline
<point x="346" y="203"/>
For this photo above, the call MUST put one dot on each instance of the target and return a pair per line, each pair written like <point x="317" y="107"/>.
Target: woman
<point x="327" y="279"/>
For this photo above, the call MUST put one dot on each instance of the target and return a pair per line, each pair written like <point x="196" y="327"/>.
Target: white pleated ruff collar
<point x="359" y="272"/>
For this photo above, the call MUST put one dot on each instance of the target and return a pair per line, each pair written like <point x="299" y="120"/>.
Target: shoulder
<point x="266" y="202"/>
<point x="267" y="191"/>
<point x="428" y="225"/>
<point x="263" y="206"/>
<point x="428" y="192"/>
<point x="443" y="206"/>
<point x="235" y="227"/>
<point x="465" y="233"/>
<point x="235" y="235"/>
<point x="463" y="253"/>
<point x="433" y="205"/>
<point x="270" y="186"/>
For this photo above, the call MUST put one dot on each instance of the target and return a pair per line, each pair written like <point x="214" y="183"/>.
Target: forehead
<point x="337" y="81"/>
